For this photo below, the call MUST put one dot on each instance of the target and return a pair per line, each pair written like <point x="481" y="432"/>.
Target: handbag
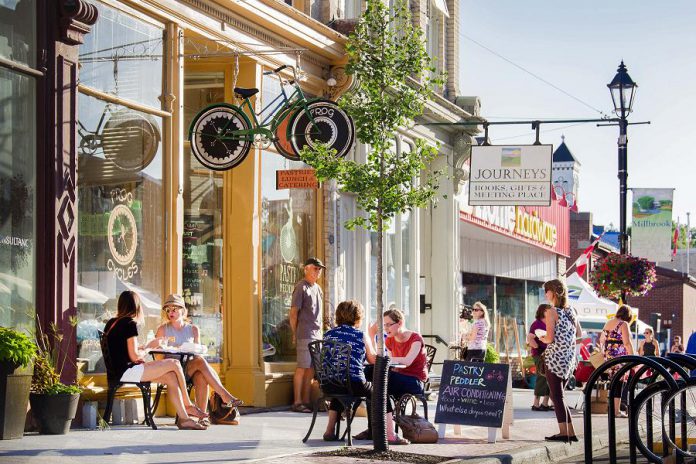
<point x="597" y="358"/>
<point x="221" y="415"/>
<point x="415" y="428"/>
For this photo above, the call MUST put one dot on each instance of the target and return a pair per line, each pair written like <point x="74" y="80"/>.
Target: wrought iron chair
<point x="430" y="352"/>
<point x="115" y="383"/>
<point x="331" y="363"/>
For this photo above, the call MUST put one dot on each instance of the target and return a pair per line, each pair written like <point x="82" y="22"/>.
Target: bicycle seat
<point x="245" y="93"/>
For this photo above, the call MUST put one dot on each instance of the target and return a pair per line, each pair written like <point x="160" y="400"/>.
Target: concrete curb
<point x="545" y="452"/>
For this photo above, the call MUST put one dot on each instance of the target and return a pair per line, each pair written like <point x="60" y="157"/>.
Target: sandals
<point x="364" y="435"/>
<point x="399" y="441"/>
<point x="190" y="424"/>
<point x="299" y="407"/>
<point x="546" y="408"/>
<point x="564" y="438"/>
<point x="196" y="412"/>
<point x="331" y="437"/>
<point x="234" y="403"/>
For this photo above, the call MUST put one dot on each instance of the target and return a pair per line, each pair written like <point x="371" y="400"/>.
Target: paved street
<point x="273" y="437"/>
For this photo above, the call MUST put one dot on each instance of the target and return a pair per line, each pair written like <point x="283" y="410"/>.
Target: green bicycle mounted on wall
<point x="221" y="135"/>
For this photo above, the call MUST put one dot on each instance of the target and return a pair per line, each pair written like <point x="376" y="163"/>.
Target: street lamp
<point x="623" y="91"/>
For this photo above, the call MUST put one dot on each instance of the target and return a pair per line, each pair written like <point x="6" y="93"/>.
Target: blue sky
<point x="577" y="46"/>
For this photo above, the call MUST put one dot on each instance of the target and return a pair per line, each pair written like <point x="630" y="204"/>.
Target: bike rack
<point x="630" y="362"/>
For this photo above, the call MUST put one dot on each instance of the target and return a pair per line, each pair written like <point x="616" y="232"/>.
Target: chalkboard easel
<point x="478" y="394"/>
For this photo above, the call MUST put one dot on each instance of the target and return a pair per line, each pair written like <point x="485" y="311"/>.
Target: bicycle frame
<point x="281" y="105"/>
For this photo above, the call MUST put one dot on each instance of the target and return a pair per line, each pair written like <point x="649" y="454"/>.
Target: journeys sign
<point x="510" y="175"/>
<point x="472" y="394"/>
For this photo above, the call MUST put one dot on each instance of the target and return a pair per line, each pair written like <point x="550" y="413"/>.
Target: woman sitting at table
<point x="121" y="334"/>
<point x="177" y="331"/>
<point x="349" y="315"/>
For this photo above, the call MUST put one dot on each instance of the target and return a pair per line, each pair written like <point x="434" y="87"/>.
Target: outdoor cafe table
<point x="184" y="357"/>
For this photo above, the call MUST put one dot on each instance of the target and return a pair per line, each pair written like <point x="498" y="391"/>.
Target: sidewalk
<point x="275" y="438"/>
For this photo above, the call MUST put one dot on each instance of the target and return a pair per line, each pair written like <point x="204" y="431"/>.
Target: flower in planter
<point x="50" y="361"/>
<point x="618" y="273"/>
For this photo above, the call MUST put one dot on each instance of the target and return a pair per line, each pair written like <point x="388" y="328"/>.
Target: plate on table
<point x="193" y="348"/>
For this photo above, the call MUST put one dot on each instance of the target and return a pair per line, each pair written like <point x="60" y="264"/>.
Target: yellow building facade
<point x="154" y="220"/>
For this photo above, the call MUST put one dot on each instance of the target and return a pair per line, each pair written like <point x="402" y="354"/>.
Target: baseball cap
<point x="315" y="262"/>
<point x="174" y="300"/>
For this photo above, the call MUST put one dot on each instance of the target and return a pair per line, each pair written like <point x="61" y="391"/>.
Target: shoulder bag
<point x="219" y="414"/>
<point x="415" y="428"/>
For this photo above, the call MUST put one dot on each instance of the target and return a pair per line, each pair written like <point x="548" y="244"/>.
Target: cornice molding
<point x="76" y="19"/>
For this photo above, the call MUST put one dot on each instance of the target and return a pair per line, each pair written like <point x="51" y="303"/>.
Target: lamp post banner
<point x="651" y="229"/>
<point x="510" y="175"/>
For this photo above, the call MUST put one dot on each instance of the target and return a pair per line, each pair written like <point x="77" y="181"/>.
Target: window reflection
<point x="202" y="252"/>
<point x="122" y="55"/>
<point x="17" y="199"/>
<point x="18" y="31"/>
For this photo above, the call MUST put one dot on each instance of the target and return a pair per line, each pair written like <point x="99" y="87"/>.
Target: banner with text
<point x="517" y="175"/>
<point x="651" y="230"/>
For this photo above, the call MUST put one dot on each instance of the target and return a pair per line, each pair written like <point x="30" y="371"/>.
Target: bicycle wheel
<point x="684" y="403"/>
<point x="214" y="137"/>
<point x="282" y="142"/>
<point x="333" y="127"/>
<point x="646" y="420"/>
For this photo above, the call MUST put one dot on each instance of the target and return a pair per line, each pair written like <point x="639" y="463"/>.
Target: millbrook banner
<point x="651" y="230"/>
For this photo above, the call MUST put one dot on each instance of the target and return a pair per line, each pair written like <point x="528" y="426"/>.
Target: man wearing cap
<point x="306" y="310"/>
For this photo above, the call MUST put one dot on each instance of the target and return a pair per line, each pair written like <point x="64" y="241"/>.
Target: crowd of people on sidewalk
<point x="552" y="340"/>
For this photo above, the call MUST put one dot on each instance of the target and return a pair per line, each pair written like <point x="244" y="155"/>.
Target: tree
<point x="395" y="76"/>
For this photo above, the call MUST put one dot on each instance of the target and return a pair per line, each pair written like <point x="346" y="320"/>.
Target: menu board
<point x="472" y="393"/>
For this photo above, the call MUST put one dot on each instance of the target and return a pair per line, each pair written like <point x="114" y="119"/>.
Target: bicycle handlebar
<point x="279" y="69"/>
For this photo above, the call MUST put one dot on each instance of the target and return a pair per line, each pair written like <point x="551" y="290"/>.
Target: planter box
<point x="54" y="413"/>
<point x="15" y="383"/>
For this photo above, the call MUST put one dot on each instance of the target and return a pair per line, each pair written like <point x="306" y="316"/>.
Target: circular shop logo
<point x="123" y="235"/>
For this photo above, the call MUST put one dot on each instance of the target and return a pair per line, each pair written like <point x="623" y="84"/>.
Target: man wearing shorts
<point x="306" y="310"/>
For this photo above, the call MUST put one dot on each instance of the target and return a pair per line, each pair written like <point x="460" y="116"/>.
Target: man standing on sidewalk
<point x="306" y="310"/>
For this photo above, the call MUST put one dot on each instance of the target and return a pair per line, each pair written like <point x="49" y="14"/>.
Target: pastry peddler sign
<point x="545" y="227"/>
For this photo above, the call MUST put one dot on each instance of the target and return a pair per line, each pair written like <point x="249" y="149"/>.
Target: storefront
<point x="119" y="199"/>
<point x="506" y="254"/>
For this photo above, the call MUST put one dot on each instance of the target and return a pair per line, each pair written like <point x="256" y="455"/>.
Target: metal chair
<point x="331" y="363"/>
<point x="115" y="383"/>
<point x="430" y="352"/>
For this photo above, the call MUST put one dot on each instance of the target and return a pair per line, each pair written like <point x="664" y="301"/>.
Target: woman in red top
<point x="406" y="347"/>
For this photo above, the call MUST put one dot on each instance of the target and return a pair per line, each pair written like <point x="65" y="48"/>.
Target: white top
<point x="480" y="341"/>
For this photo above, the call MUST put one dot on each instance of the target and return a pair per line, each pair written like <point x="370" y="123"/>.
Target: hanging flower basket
<point x="617" y="273"/>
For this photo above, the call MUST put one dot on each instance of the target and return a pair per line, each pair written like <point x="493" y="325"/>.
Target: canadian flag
<point x="584" y="259"/>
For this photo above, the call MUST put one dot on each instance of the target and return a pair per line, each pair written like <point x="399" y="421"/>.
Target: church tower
<point x="566" y="172"/>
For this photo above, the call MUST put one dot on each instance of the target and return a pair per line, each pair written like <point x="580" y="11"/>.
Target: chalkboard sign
<point x="472" y="393"/>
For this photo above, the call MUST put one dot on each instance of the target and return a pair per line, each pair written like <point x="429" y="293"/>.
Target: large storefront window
<point x="288" y="225"/>
<point x="17" y="199"/>
<point x="510" y="309"/>
<point x="202" y="245"/>
<point x="17" y="165"/>
<point x="288" y="237"/>
<point x="120" y="179"/>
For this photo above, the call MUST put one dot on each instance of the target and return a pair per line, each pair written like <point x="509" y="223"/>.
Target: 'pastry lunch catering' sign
<point x="296" y="179"/>
<point x="517" y="175"/>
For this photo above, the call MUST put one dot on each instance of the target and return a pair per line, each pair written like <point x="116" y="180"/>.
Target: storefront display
<point x="121" y="179"/>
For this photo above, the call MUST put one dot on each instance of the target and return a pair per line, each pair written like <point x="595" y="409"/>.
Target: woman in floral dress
<point x="616" y="340"/>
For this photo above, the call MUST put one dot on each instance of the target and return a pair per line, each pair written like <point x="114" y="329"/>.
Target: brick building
<point x="674" y="299"/>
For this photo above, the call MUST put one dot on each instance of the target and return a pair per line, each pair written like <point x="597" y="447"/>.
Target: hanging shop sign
<point x="296" y="179"/>
<point x="221" y="135"/>
<point x="517" y="175"/>
<point x="651" y="230"/>
<point x="545" y="227"/>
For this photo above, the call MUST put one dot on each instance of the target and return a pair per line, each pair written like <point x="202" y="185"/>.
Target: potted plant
<point x="616" y="274"/>
<point x="53" y="403"/>
<point x="16" y="354"/>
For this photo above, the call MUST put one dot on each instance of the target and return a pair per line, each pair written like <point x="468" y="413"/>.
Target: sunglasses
<point x="387" y="324"/>
<point x="478" y="309"/>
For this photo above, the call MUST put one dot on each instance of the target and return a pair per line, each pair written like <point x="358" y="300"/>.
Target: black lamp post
<point x="623" y="91"/>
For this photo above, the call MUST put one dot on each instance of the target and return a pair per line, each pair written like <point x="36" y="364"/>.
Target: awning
<point x="442" y="6"/>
